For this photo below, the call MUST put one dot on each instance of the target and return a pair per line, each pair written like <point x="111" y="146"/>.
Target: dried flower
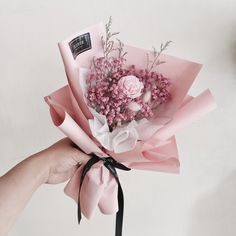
<point x="154" y="62"/>
<point x="134" y="106"/>
<point x="122" y="93"/>
<point x="130" y="86"/>
<point x="147" y="96"/>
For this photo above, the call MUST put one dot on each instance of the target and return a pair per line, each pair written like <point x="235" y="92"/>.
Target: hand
<point x="61" y="160"/>
<point x="53" y="165"/>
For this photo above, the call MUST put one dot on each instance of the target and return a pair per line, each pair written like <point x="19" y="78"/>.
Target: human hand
<point x="61" y="161"/>
<point x="53" y="165"/>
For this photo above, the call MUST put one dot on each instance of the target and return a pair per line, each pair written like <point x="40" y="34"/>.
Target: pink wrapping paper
<point x="70" y="114"/>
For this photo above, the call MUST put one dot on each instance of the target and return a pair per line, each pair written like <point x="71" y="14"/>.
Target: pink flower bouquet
<point x="122" y="105"/>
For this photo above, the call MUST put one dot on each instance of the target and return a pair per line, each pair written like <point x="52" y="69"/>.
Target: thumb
<point x="80" y="157"/>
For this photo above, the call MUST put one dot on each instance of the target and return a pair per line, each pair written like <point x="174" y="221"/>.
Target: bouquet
<point x="122" y="106"/>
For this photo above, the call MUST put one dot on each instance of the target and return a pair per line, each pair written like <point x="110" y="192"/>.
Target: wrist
<point x="39" y="163"/>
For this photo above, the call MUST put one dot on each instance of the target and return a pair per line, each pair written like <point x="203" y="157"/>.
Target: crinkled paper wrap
<point x="71" y="115"/>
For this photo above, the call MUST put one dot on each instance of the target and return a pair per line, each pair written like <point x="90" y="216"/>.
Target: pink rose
<point x="130" y="86"/>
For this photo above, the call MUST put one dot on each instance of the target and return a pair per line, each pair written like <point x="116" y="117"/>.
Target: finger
<point x="74" y="145"/>
<point x="80" y="157"/>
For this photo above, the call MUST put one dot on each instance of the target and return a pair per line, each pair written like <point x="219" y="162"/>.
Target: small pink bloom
<point x="131" y="86"/>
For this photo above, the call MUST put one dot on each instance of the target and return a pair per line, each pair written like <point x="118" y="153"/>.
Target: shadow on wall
<point x="215" y="214"/>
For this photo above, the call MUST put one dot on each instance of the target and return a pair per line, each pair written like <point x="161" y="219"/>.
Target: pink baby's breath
<point x="105" y="96"/>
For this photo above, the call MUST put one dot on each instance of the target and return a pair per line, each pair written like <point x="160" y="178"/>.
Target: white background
<point x="199" y="201"/>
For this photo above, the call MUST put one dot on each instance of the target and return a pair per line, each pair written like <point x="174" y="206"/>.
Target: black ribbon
<point x="111" y="164"/>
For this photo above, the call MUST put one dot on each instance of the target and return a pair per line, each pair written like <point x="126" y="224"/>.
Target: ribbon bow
<point x="111" y="164"/>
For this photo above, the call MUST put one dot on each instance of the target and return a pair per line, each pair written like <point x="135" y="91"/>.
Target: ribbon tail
<point x="111" y="165"/>
<point x="121" y="166"/>
<point x="79" y="216"/>
<point x="120" y="213"/>
<point x="94" y="159"/>
<point x="117" y="164"/>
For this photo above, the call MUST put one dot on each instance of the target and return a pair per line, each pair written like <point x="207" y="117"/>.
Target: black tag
<point x="80" y="44"/>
